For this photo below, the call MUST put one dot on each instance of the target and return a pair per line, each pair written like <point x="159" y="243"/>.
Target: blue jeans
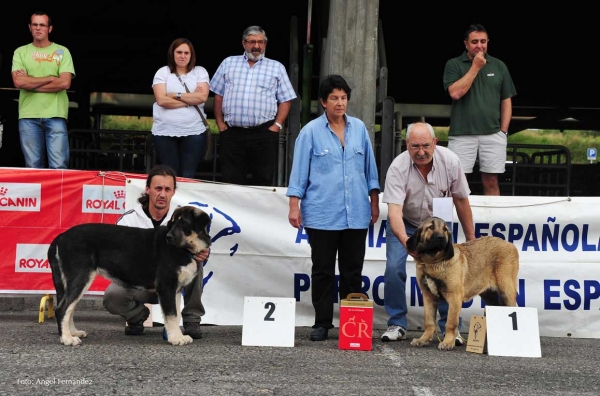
<point x="394" y="290"/>
<point x="43" y="138"/>
<point x="182" y="153"/>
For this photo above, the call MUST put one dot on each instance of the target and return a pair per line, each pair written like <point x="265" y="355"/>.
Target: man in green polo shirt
<point x="42" y="70"/>
<point x="481" y="90"/>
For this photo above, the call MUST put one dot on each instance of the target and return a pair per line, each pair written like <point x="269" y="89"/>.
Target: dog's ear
<point x="449" y="249"/>
<point x="413" y="241"/>
<point x="172" y="219"/>
<point x="203" y="219"/>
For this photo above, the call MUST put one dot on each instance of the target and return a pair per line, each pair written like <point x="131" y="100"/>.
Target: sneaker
<point x="192" y="329"/>
<point x="459" y="341"/>
<point x="394" y="333"/>
<point x="137" y="327"/>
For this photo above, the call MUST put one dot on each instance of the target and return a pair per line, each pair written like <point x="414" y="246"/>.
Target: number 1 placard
<point x="513" y="331"/>
<point x="269" y="321"/>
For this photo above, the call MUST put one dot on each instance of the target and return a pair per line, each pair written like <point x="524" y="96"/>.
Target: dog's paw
<point x="79" y="333"/>
<point x="419" y="342"/>
<point x="446" y="346"/>
<point x="180" y="340"/>
<point x="73" y="341"/>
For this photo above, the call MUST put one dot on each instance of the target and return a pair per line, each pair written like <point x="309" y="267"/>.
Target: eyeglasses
<point x="40" y="25"/>
<point x="418" y="147"/>
<point x="253" y="42"/>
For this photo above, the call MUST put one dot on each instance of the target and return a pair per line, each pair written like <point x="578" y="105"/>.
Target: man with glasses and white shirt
<point x="43" y="70"/>
<point x="253" y="97"/>
<point x="415" y="177"/>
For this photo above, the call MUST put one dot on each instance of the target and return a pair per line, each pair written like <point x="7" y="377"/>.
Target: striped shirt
<point x="251" y="94"/>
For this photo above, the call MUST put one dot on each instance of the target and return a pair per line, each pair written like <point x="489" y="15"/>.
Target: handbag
<point x="208" y="154"/>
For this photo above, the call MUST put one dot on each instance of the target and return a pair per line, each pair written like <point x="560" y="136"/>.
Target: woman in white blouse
<point x="178" y="131"/>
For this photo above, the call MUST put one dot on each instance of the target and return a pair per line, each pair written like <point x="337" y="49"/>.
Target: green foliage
<point x="127" y="123"/>
<point x="132" y="123"/>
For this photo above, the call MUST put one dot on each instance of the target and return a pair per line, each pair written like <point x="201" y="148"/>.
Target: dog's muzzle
<point x="437" y="241"/>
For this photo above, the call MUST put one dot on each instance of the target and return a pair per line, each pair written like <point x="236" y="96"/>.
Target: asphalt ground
<point x="33" y="362"/>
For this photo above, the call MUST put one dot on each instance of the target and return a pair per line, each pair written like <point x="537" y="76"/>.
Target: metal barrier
<point x="124" y="151"/>
<point x="531" y="169"/>
<point x="537" y="170"/>
<point x="117" y="150"/>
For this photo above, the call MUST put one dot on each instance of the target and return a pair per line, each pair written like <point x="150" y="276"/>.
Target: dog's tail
<point x="54" y="260"/>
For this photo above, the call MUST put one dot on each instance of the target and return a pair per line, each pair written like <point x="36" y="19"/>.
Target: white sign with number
<point x="269" y="321"/>
<point x="513" y="331"/>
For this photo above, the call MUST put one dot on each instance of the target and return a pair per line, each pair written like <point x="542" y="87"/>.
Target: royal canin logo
<point x="23" y="197"/>
<point x="103" y="199"/>
<point x="119" y="194"/>
<point x="32" y="258"/>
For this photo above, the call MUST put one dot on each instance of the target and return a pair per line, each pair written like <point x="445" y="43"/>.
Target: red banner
<point x="38" y="204"/>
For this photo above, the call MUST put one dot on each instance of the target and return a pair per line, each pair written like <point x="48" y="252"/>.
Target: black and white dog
<point x="158" y="259"/>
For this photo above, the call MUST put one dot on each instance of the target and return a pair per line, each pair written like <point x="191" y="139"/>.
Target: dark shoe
<point x="137" y="327"/>
<point x="192" y="329"/>
<point x="319" y="334"/>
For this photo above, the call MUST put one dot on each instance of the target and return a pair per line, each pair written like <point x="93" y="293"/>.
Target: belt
<point x="243" y="127"/>
<point x="250" y="127"/>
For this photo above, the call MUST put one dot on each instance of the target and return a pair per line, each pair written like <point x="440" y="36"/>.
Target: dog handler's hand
<point x="202" y="256"/>
<point x="413" y="254"/>
<point x="403" y="242"/>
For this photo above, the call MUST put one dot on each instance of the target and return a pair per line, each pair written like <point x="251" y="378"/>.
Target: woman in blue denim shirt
<point x="334" y="194"/>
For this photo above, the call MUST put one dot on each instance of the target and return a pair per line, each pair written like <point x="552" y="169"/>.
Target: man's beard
<point x="254" y="58"/>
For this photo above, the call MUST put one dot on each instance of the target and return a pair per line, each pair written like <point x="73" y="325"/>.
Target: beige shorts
<point x="491" y="150"/>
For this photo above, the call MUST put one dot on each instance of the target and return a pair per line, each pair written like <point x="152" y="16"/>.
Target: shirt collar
<point x="324" y="115"/>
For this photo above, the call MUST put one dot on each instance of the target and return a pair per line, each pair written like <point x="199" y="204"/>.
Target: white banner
<point x="256" y="252"/>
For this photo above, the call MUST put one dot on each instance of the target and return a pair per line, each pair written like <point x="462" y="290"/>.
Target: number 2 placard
<point x="269" y="321"/>
<point x="513" y="331"/>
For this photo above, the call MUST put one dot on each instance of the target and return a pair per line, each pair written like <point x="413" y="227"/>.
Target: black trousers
<point x="349" y="247"/>
<point x="244" y="151"/>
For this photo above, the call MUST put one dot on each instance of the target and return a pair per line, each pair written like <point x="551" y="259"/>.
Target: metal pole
<point x="307" y="71"/>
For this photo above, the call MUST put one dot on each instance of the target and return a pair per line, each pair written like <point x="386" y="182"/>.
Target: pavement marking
<point x="395" y="358"/>
<point x="399" y="362"/>
<point x="421" y="391"/>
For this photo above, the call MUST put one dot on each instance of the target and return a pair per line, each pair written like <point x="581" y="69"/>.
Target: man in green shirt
<point x="43" y="70"/>
<point x="481" y="90"/>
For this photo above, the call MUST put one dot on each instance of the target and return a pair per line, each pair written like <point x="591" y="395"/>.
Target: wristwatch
<point x="504" y="132"/>
<point x="279" y="125"/>
<point x="178" y="95"/>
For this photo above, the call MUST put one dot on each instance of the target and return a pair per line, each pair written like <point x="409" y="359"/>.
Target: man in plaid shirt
<point x="253" y="97"/>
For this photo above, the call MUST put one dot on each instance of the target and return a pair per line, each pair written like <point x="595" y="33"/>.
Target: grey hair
<point x="254" y="30"/>
<point x="410" y="127"/>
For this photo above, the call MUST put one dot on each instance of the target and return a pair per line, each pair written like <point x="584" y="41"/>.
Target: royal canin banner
<point x="38" y="204"/>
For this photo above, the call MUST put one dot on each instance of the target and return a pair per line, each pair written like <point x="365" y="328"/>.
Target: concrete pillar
<point x="351" y="51"/>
